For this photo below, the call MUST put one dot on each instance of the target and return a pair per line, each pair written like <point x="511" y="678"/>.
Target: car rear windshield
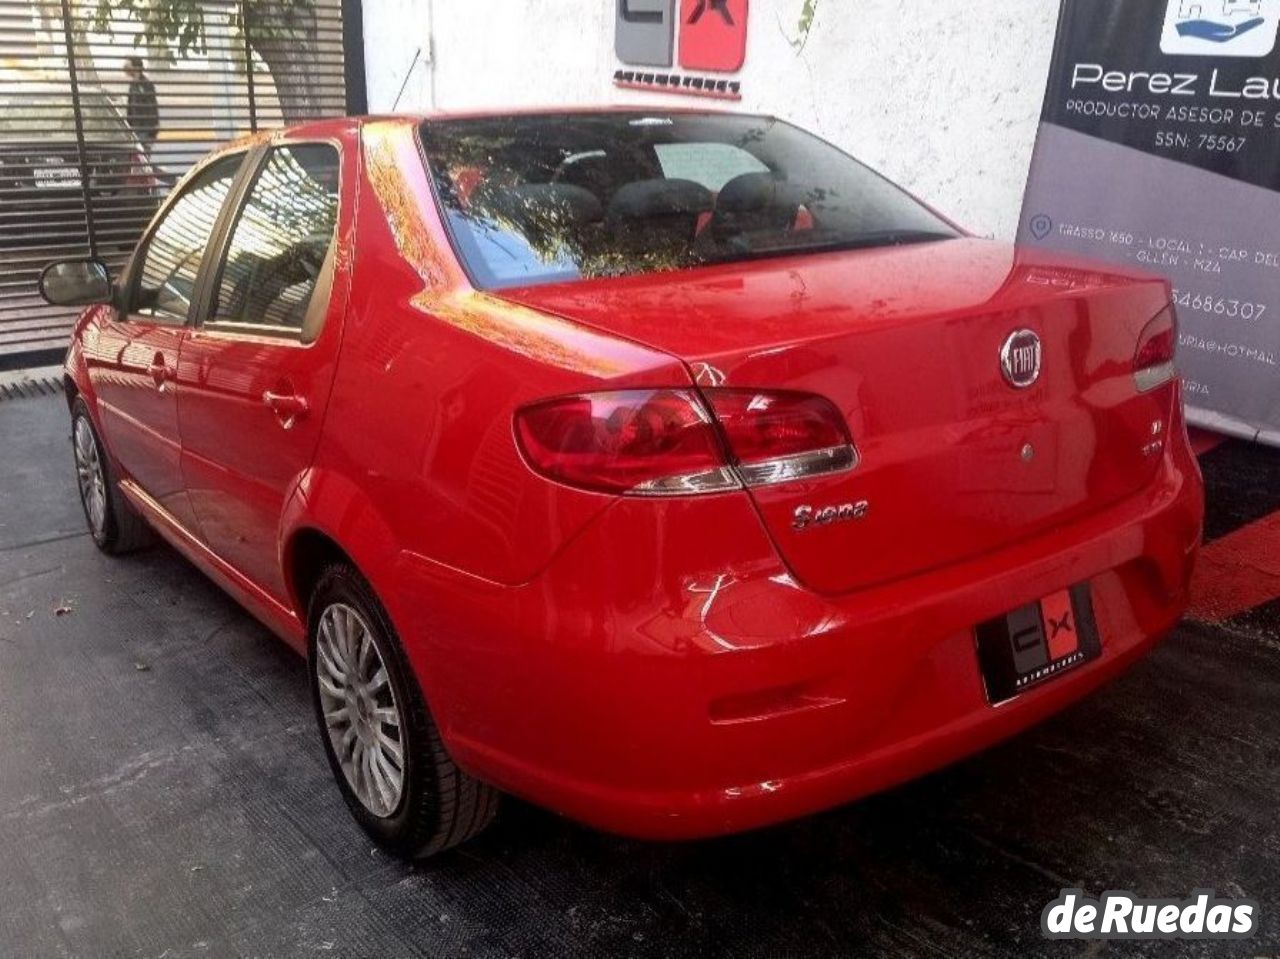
<point x="549" y="198"/>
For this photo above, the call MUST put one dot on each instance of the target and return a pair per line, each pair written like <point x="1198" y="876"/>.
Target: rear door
<point x="258" y="369"/>
<point x="133" y="358"/>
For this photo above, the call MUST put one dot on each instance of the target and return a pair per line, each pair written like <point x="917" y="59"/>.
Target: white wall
<point x="943" y="96"/>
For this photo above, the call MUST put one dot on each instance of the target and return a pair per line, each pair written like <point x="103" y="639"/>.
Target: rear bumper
<point x="663" y="680"/>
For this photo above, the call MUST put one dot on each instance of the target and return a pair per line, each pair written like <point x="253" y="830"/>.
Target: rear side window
<point x="550" y="198"/>
<point x="172" y="256"/>
<point x="276" y="258"/>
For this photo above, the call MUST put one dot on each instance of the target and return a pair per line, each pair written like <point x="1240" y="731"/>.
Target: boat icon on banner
<point x="1217" y="32"/>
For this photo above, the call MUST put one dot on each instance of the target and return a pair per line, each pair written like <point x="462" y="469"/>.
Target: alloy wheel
<point x="361" y="714"/>
<point x="93" y="484"/>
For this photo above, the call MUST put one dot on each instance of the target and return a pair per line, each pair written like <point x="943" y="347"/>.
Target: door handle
<point x="288" y="407"/>
<point x="160" y="372"/>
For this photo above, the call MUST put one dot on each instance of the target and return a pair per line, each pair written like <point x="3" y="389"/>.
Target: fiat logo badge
<point x="1020" y="359"/>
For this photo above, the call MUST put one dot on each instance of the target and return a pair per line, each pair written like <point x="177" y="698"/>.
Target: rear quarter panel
<point x="418" y="453"/>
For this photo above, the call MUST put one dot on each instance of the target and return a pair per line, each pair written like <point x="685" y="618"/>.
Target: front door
<point x="133" y="361"/>
<point x="257" y="372"/>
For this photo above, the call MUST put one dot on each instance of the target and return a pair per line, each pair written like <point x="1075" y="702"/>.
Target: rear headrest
<point x="754" y="191"/>
<point x="649" y="199"/>
<point x="543" y="204"/>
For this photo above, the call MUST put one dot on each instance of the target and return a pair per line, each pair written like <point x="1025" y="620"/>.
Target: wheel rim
<point x="360" y="709"/>
<point x="93" y="485"/>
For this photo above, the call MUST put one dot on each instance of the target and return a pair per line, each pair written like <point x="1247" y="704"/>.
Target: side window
<point x="172" y="257"/>
<point x="711" y="164"/>
<point x="278" y="249"/>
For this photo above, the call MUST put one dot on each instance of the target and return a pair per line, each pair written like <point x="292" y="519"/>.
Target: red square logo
<point x="713" y="35"/>
<point x="1060" y="625"/>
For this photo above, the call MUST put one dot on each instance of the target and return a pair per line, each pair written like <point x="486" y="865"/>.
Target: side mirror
<point x="76" y="283"/>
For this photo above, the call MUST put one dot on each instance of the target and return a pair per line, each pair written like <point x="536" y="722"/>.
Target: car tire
<point x="356" y="690"/>
<point x="116" y="527"/>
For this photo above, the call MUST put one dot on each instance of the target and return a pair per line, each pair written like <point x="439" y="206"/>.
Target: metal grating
<point x="87" y="152"/>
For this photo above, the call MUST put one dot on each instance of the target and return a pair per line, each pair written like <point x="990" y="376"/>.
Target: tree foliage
<point x="166" y="24"/>
<point x="807" y="11"/>
<point x="282" y="32"/>
<point x="180" y="25"/>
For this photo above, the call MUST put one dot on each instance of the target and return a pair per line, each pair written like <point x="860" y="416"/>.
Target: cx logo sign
<point x="1060" y="625"/>
<point x="717" y="6"/>
<point x="712" y="33"/>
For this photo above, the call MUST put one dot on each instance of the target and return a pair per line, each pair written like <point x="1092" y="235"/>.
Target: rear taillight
<point x="638" y="441"/>
<point x="1157" y="346"/>
<point x="666" y="442"/>
<point x="776" y="437"/>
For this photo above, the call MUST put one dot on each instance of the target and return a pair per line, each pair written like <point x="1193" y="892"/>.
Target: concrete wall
<point x="943" y="96"/>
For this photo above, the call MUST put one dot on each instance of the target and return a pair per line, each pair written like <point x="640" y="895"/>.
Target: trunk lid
<point x="907" y="341"/>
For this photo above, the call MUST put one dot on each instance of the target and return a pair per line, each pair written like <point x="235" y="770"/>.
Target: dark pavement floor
<point x="163" y="793"/>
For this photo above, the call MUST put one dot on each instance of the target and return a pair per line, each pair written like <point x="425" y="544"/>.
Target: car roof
<point x="337" y="125"/>
<point x="573" y="110"/>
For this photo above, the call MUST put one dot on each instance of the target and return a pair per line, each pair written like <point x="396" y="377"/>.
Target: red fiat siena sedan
<point x="669" y="469"/>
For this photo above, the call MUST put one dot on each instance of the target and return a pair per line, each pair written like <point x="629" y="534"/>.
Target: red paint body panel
<point x="711" y="693"/>
<point x="911" y="359"/>
<point x="138" y="419"/>
<point x="239" y="462"/>
<point x="676" y="667"/>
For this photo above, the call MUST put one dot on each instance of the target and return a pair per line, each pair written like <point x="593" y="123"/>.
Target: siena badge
<point x="1221" y="28"/>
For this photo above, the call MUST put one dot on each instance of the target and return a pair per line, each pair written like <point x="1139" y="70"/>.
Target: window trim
<point x="133" y="270"/>
<point x="203" y="299"/>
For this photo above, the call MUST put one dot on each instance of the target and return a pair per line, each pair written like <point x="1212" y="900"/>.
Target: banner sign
<point x="1159" y="147"/>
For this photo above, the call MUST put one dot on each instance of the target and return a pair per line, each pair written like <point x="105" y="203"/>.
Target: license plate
<point x="57" y="178"/>
<point x="1037" y="643"/>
